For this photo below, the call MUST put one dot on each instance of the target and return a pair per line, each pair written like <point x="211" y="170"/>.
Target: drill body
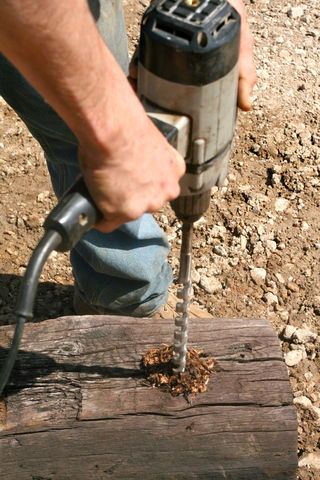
<point x="188" y="57"/>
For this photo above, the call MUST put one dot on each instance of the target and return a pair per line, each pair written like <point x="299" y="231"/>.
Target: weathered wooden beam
<point x="78" y="408"/>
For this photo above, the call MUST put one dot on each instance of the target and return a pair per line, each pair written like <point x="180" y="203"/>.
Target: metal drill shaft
<point x="185" y="294"/>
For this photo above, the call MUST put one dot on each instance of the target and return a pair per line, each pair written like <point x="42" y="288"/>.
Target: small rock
<point x="303" y="401"/>
<point x="271" y="298"/>
<point x="195" y="276"/>
<point x="280" y="278"/>
<point x="288" y="332"/>
<point x="293" y="287"/>
<point x="305" y="226"/>
<point x="293" y="357"/>
<point x="218" y="231"/>
<point x="281" y="204"/>
<point x="164" y="219"/>
<point x="295" y="12"/>
<point x="43" y="196"/>
<point x="233" y="262"/>
<point x="201" y="221"/>
<point x="304" y="335"/>
<point x="258" y="275"/>
<point x="284" y="315"/>
<point x="308" y="376"/>
<point x="271" y="245"/>
<point x="210" y="284"/>
<point x="243" y="242"/>
<point x="311" y="460"/>
<point x="306" y="403"/>
<point x="220" y="250"/>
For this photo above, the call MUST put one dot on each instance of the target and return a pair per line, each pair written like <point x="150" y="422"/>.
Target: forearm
<point x="57" y="47"/>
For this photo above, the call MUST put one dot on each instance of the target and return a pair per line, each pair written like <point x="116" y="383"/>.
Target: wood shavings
<point x="157" y="365"/>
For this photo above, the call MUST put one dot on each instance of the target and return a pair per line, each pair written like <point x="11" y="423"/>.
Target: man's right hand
<point x="138" y="173"/>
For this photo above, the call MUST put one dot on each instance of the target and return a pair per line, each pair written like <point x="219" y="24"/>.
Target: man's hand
<point x="137" y="173"/>
<point x="247" y="70"/>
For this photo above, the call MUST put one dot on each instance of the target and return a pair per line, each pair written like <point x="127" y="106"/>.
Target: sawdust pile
<point x="157" y="366"/>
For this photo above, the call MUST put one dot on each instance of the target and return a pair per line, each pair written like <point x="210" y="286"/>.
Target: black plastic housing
<point x="190" y="45"/>
<point x="73" y="216"/>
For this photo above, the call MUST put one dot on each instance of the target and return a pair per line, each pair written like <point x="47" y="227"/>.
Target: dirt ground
<point x="257" y="250"/>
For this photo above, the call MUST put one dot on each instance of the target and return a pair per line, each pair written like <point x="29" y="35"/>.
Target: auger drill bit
<point x="180" y="345"/>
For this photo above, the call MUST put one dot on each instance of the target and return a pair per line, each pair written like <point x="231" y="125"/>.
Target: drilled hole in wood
<point x="157" y="366"/>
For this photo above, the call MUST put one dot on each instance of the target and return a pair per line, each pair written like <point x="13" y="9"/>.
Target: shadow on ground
<point x="53" y="300"/>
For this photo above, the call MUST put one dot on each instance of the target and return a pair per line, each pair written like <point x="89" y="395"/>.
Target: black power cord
<point x="28" y="290"/>
<point x="74" y="215"/>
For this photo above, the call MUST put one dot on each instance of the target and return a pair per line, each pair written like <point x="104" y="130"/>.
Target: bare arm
<point x="127" y="165"/>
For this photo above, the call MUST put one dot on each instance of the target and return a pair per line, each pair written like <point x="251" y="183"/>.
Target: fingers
<point x="180" y="164"/>
<point x="244" y="94"/>
<point x="247" y="69"/>
<point x="133" y="70"/>
<point x="126" y="199"/>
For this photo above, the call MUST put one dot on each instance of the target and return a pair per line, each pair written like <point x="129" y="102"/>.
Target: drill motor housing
<point x="188" y="57"/>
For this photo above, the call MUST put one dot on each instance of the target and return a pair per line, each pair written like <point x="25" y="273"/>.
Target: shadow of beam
<point x="30" y="366"/>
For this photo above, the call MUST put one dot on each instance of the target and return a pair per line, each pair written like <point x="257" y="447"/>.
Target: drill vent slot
<point x="230" y="18"/>
<point x="174" y="31"/>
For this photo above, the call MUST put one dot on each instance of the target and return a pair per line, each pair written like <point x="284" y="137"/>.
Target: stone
<point x="43" y="196"/>
<point x="311" y="460"/>
<point x="281" y="204"/>
<point x="271" y="298"/>
<point x="304" y="402"/>
<point x="210" y="284"/>
<point x="293" y="287"/>
<point x="220" y="250"/>
<point x="295" y="12"/>
<point x="258" y="275"/>
<point x="305" y="226"/>
<point x="271" y="245"/>
<point x="284" y="315"/>
<point x="304" y="335"/>
<point x="307" y="404"/>
<point x="218" y="231"/>
<point x="280" y="278"/>
<point x="243" y="242"/>
<point x="195" y="276"/>
<point x="293" y="357"/>
<point x="288" y="332"/>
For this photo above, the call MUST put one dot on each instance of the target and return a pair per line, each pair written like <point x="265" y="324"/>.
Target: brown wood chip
<point x="157" y="365"/>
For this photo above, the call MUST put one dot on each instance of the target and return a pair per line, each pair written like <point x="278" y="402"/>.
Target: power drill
<point x="188" y="79"/>
<point x="188" y="85"/>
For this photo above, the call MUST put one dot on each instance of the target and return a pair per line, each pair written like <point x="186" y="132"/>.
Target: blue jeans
<point x="126" y="271"/>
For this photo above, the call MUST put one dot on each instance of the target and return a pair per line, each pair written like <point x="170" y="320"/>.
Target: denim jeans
<point x="126" y="271"/>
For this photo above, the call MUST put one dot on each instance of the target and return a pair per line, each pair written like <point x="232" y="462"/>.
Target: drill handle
<point x="75" y="214"/>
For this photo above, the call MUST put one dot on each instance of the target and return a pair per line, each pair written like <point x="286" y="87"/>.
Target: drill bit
<point x="185" y="294"/>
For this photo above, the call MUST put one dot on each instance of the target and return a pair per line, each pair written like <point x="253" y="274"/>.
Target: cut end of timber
<point x="157" y="365"/>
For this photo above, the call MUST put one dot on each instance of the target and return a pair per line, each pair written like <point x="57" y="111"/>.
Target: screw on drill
<point x="185" y="294"/>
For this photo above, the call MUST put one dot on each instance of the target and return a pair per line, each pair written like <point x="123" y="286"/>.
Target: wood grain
<point x="78" y="408"/>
